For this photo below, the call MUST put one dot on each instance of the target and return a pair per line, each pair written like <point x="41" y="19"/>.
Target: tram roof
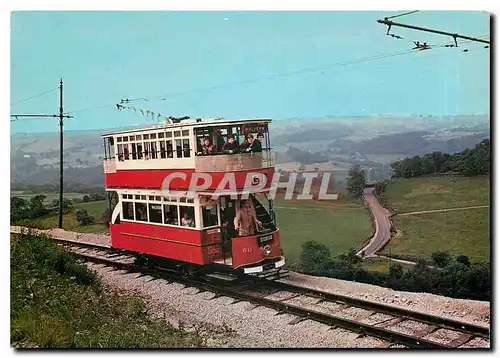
<point x="212" y="122"/>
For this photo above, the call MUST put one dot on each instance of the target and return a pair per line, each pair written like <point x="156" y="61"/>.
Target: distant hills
<point x="372" y="141"/>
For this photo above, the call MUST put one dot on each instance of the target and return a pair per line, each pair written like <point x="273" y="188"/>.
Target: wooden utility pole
<point x="61" y="116"/>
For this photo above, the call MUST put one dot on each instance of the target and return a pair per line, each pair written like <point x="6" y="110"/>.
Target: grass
<point x="94" y="208"/>
<point x="381" y="265"/>
<point x="464" y="232"/>
<point x="430" y="193"/>
<point x="338" y="227"/>
<point x="461" y="232"/>
<point x="58" y="303"/>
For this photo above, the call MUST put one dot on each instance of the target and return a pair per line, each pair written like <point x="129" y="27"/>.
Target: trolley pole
<point x="61" y="116"/>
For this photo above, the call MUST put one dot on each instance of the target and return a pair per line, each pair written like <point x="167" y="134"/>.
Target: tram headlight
<point x="267" y="250"/>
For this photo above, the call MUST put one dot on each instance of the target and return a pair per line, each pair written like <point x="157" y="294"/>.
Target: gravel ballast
<point x="243" y="325"/>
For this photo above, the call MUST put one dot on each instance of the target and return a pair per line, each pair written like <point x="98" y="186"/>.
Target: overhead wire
<point x="268" y="77"/>
<point x="404" y="14"/>
<point x="35" y="96"/>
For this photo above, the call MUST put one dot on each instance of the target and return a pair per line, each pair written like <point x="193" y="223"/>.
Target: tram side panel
<point x="169" y="242"/>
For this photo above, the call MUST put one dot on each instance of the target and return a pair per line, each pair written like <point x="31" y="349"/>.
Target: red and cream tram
<point x="194" y="228"/>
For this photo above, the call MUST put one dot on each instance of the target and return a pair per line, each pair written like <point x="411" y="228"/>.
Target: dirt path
<point x="443" y="210"/>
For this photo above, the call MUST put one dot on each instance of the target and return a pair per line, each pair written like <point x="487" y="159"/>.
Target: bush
<point x="454" y="278"/>
<point x="83" y="217"/>
<point x="441" y="258"/>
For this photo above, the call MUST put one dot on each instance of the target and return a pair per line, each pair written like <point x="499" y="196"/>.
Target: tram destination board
<point x="263" y="240"/>
<point x="253" y="128"/>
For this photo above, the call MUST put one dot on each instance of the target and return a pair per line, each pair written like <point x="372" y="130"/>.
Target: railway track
<point x="384" y="322"/>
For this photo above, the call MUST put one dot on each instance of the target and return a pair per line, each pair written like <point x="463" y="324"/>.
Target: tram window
<point x="120" y="153"/>
<point x="179" y="148"/>
<point x="185" y="133"/>
<point x="168" y="134"/>
<point x="161" y="135"/>
<point x="137" y="137"/>
<point x="134" y="151"/>
<point x="118" y="139"/>
<point x="128" y="210"/>
<point x="125" y="139"/>
<point x="139" y="150"/>
<point x="145" y="136"/>
<point x="126" y="152"/>
<point x="187" y="150"/>
<point x="163" y="153"/>
<point x="138" y="197"/>
<point x="157" y="198"/>
<point x="170" y="212"/>
<point x="143" y="197"/>
<point x="154" y="154"/>
<point x="155" y="213"/>
<point x="132" y="137"/>
<point x="153" y="135"/>
<point x="209" y="215"/>
<point x="141" y="212"/>
<point x="147" y="149"/>
<point x="170" y="150"/>
<point x="187" y="216"/>
<point x="177" y="133"/>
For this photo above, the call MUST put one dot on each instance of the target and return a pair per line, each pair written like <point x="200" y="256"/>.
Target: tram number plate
<point x="265" y="239"/>
<point x="268" y="266"/>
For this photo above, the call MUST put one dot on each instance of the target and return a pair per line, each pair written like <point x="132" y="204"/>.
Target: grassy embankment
<point x="461" y="232"/>
<point x="58" y="303"/>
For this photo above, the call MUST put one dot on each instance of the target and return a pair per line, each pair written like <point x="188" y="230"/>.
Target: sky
<point x="241" y="65"/>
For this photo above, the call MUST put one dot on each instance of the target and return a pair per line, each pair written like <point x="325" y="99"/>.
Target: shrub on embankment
<point x="452" y="278"/>
<point x="57" y="302"/>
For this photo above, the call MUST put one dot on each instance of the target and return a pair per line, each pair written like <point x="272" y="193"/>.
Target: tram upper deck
<point x="180" y="146"/>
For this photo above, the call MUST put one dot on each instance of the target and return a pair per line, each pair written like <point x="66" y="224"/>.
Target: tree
<point x="19" y="209"/>
<point x="106" y="216"/>
<point x="356" y="182"/>
<point x="441" y="258"/>
<point x="83" y="217"/>
<point x="86" y="198"/>
<point x="37" y="208"/>
<point x="464" y="260"/>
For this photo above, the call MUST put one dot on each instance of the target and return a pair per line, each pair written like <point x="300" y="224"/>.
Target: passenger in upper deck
<point x="206" y="148"/>
<point x="231" y="146"/>
<point x="256" y="146"/>
<point x="244" y="147"/>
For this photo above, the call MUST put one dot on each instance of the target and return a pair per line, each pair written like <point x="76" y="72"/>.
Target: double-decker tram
<point x="159" y="213"/>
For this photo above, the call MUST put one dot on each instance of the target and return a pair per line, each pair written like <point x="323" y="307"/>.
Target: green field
<point x="429" y="193"/>
<point x="337" y="227"/>
<point x="94" y="208"/>
<point x="460" y="232"/>
<point x="464" y="232"/>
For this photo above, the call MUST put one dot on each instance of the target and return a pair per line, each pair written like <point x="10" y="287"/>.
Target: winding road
<point x="381" y="216"/>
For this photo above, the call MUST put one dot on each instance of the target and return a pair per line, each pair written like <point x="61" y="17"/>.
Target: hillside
<point x="465" y="231"/>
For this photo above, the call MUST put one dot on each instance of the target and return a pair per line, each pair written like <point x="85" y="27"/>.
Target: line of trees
<point x="451" y="277"/>
<point x="474" y="161"/>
